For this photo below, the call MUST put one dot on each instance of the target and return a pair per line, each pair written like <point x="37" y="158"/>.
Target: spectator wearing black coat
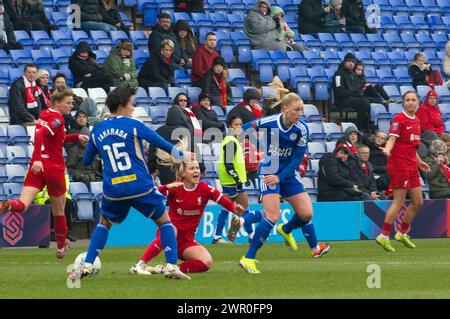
<point x="20" y="16"/>
<point x="215" y="85"/>
<point x="159" y="68"/>
<point x="112" y="16"/>
<point x="38" y="16"/>
<point x="367" y="179"/>
<point x="45" y="95"/>
<point x="92" y="17"/>
<point x="336" y="180"/>
<point x="157" y="168"/>
<point x="186" y="39"/>
<point x="355" y="17"/>
<point x="206" y="115"/>
<point x="422" y="73"/>
<point x="311" y="17"/>
<point x="189" y="5"/>
<point x="87" y="73"/>
<point x="23" y="101"/>
<point x="348" y="93"/>
<point x="7" y="37"/>
<point x="163" y="31"/>
<point x="379" y="161"/>
<point x="249" y="109"/>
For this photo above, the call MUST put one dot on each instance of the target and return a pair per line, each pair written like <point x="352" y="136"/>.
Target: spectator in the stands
<point x="374" y="92"/>
<point x="203" y="58"/>
<point x="355" y="17"/>
<point x="261" y="29"/>
<point x="430" y="115"/>
<point x="111" y="15"/>
<point x="92" y="17"/>
<point x="352" y="138"/>
<point x="439" y="175"/>
<point x="7" y="37"/>
<point x="19" y="13"/>
<point x="156" y="167"/>
<point x="422" y="73"/>
<point x="348" y="93"/>
<point x="158" y="70"/>
<point x="206" y="115"/>
<point x="286" y="33"/>
<point x="163" y="31"/>
<point x="75" y="152"/>
<point x="186" y="39"/>
<point x="446" y="64"/>
<point x="45" y="94"/>
<point x="23" y="102"/>
<point x="215" y="84"/>
<point x="249" y="109"/>
<point x="87" y="72"/>
<point x="181" y="116"/>
<point x="335" y="182"/>
<point x="366" y="175"/>
<point x="189" y="5"/>
<point x="334" y="18"/>
<point x="376" y="142"/>
<point x="311" y="17"/>
<point x="446" y="139"/>
<point x="38" y="16"/>
<point x="86" y="105"/>
<point x="119" y="65"/>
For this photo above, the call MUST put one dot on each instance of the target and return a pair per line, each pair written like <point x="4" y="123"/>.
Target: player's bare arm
<point x="389" y="145"/>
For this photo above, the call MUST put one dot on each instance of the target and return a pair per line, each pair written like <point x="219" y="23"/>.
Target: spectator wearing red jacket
<point x="430" y="115"/>
<point x="203" y="58"/>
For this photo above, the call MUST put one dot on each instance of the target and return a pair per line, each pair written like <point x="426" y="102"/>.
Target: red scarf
<point x="168" y="59"/>
<point x="446" y="171"/>
<point x="195" y="122"/>
<point x="46" y="98"/>
<point x="365" y="168"/>
<point x="31" y="91"/>
<point x="223" y="90"/>
<point x="255" y="111"/>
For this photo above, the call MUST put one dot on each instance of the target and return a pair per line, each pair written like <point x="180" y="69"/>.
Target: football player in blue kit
<point x="126" y="180"/>
<point x="286" y="136"/>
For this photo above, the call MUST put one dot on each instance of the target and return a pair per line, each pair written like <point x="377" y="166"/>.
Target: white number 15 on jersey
<point x="116" y="157"/>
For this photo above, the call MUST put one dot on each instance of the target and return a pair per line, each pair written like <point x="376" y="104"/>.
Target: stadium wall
<point x="333" y="221"/>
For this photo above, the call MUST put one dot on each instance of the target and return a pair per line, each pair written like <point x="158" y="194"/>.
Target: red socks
<point x="386" y="230"/>
<point x="404" y="228"/>
<point x="193" y="266"/>
<point x="60" y="231"/>
<point x="17" y="206"/>
<point x="152" y="250"/>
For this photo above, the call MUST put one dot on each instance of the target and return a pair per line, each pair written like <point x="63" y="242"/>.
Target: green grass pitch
<point x="407" y="273"/>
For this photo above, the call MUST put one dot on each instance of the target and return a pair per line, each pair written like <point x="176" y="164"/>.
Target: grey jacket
<point x="262" y="29"/>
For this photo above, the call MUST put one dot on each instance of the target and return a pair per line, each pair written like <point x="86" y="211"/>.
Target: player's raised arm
<point x="218" y="197"/>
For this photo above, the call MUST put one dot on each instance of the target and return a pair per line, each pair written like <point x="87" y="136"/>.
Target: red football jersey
<point x="407" y="131"/>
<point x="186" y="207"/>
<point x="50" y="136"/>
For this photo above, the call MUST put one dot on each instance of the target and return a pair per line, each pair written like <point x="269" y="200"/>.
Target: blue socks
<point x="251" y="218"/>
<point x="307" y="229"/>
<point x="221" y="222"/>
<point x="261" y="233"/>
<point x="169" y="242"/>
<point x="98" y="242"/>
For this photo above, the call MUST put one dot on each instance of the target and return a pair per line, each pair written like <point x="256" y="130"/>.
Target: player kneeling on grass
<point x="232" y="176"/>
<point x="126" y="180"/>
<point x="287" y="139"/>
<point x="403" y="161"/>
<point x="47" y="166"/>
<point x="187" y="201"/>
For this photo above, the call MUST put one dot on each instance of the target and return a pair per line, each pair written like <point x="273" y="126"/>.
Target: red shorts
<point x="185" y="240"/>
<point x="54" y="179"/>
<point x="404" y="179"/>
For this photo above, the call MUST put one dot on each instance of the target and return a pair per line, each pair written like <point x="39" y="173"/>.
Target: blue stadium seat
<point x="42" y="57"/>
<point x="298" y="75"/>
<point x="193" y="93"/>
<point x="117" y="36"/>
<point x="182" y="78"/>
<point x="12" y="190"/>
<point x="15" y="173"/>
<point x="100" y="37"/>
<point x="174" y="91"/>
<point x="283" y="72"/>
<point x="61" y="55"/>
<point x="317" y="74"/>
<point x="21" y="56"/>
<point x="81" y="36"/>
<point x="392" y="91"/>
<point x="439" y="39"/>
<point x="17" y="155"/>
<point x="84" y="200"/>
<point x="4" y="57"/>
<point x="238" y="93"/>
<point x="101" y="55"/>
<point x="265" y="73"/>
<point x="321" y="91"/>
<point x="181" y="16"/>
<point x="260" y="57"/>
<point x="430" y="6"/>
<point x="311" y="113"/>
<point x="60" y="19"/>
<point x="422" y="91"/>
<point x="316" y="150"/>
<point x="378" y="111"/>
<point x="158" y="96"/>
<point x="344" y="40"/>
<point x="62" y="37"/>
<point x="376" y="40"/>
<point x="23" y="38"/>
<point x="403" y="22"/>
<point x="296" y="57"/>
<point x="393" y="40"/>
<point x="140" y="57"/>
<point x="419" y="22"/>
<point x="332" y="131"/>
<point x="402" y="76"/>
<point x="445" y="111"/>
<point x="310" y="41"/>
<point x="444" y="5"/>
<point x="244" y="54"/>
<point x="237" y="76"/>
<point x="15" y="73"/>
<point x="17" y="135"/>
<point x="360" y="40"/>
<point x="41" y="37"/>
<point x="409" y="40"/>
<point x="141" y="97"/>
<point x="327" y="40"/>
<point x="395" y="108"/>
<point x="279" y="57"/>
<point x="313" y="57"/>
<point x="386" y="76"/>
<point x="138" y="38"/>
<point x="443" y="93"/>
<point x="201" y="19"/>
<point x="304" y="90"/>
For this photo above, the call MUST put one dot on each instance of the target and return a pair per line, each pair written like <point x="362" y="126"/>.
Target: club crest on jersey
<point x="293" y="137"/>
<point x="199" y="201"/>
<point x="272" y="187"/>
<point x="56" y="123"/>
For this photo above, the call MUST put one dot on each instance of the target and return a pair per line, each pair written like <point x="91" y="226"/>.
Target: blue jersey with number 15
<point x="118" y="141"/>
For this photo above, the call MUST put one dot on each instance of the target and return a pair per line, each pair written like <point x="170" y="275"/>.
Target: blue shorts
<point x="231" y="190"/>
<point x="291" y="186"/>
<point x="150" y="205"/>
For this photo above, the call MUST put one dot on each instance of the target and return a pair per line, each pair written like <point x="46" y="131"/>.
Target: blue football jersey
<point x="285" y="147"/>
<point x="118" y="141"/>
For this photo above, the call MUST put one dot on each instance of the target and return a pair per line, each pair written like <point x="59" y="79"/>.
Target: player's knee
<point x="417" y="203"/>
<point x="307" y="216"/>
<point x="208" y="263"/>
<point x="103" y="221"/>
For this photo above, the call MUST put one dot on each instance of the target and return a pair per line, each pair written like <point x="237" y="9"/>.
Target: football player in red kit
<point x="187" y="201"/>
<point x="403" y="161"/>
<point x="47" y="166"/>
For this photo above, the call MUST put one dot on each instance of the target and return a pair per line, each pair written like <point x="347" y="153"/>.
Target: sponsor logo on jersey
<point x="124" y="179"/>
<point x="414" y="137"/>
<point x="280" y="152"/>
